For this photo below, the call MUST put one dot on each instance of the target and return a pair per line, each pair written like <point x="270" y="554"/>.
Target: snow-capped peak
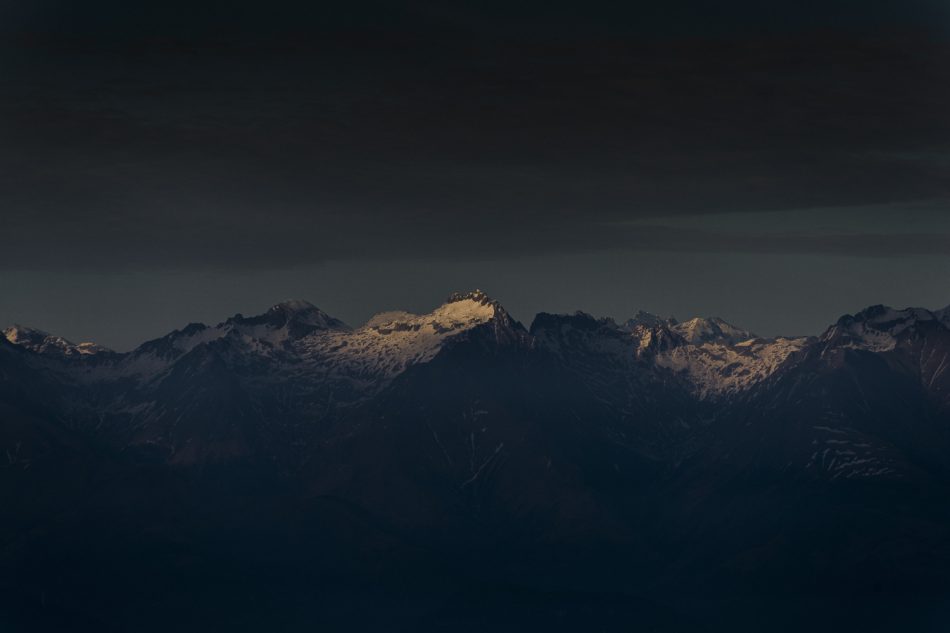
<point x="878" y="327"/>
<point x="700" y="330"/>
<point x="460" y="311"/>
<point x="280" y="325"/>
<point x="478" y="296"/>
<point x="478" y="304"/>
<point x="885" y="317"/>
<point x="392" y="341"/>
<point x="720" y="367"/>
<point x="646" y="319"/>
<point x="293" y="319"/>
<point x="715" y="357"/>
<point x="300" y="312"/>
<point x="45" y="343"/>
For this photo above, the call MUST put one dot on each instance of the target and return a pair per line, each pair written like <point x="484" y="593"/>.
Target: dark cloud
<point x="212" y="138"/>
<point x="172" y="158"/>
<point x="186" y="19"/>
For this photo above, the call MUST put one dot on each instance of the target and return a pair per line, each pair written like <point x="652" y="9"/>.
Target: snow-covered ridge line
<point x="717" y="368"/>
<point x="295" y="339"/>
<point x="713" y="357"/>
<point x="879" y="328"/>
<point x="392" y="341"/>
<point x="45" y="343"/>
<point x="699" y="330"/>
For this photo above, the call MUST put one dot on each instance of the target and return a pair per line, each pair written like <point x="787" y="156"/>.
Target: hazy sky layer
<point x="168" y="162"/>
<point x="762" y="292"/>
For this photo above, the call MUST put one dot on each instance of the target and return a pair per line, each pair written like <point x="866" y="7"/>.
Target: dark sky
<point x="777" y="164"/>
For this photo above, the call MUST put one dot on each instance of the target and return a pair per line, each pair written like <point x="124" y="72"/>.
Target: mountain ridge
<point x="458" y="449"/>
<point x="697" y="329"/>
<point x="714" y="356"/>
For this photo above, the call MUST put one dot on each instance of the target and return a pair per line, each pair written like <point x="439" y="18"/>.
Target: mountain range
<point x="458" y="471"/>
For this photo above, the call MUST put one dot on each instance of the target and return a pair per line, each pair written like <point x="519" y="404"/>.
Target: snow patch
<point x="718" y="368"/>
<point x="392" y="341"/>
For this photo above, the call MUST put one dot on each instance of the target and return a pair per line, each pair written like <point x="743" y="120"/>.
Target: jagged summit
<point x="280" y="325"/>
<point x="479" y="303"/>
<point x="693" y="331"/>
<point x="298" y="316"/>
<point x="884" y="317"/>
<point x="708" y="353"/>
<point x="478" y="296"/>
<point x="878" y="327"/>
<point x="647" y="319"/>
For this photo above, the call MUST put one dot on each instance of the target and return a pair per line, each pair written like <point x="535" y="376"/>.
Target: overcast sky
<point x="167" y="162"/>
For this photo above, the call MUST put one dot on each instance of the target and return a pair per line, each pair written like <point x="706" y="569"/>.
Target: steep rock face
<point x="493" y="448"/>
<point x="646" y="319"/>
<point x="865" y="401"/>
<point x="914" y="342"/>
<point x="31" y="429"/>
<point x="648" y="408"/>
<point x="203" y="410"/>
